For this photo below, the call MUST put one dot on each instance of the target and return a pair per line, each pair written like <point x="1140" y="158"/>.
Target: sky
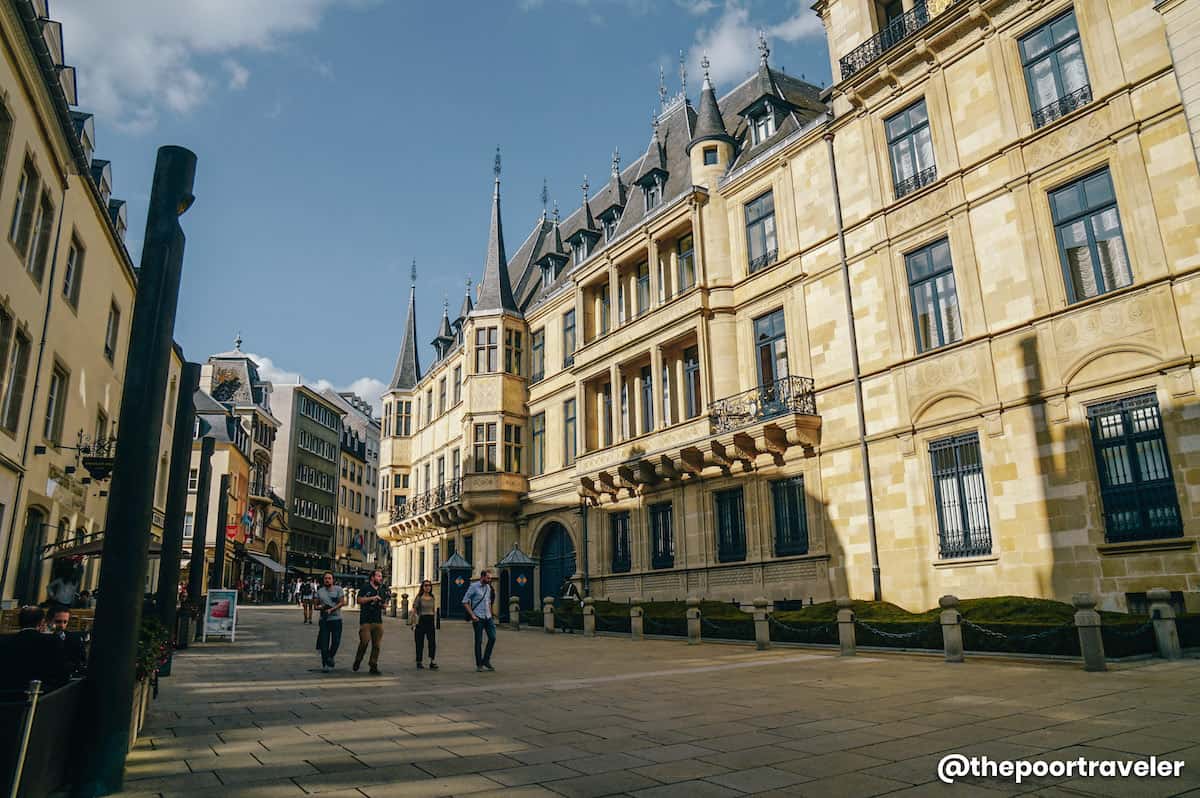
<point x="340" y="139"/>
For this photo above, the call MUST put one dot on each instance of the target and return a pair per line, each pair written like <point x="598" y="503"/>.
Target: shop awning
<point x="266" y="562"/>
<point x="91" y="548"/>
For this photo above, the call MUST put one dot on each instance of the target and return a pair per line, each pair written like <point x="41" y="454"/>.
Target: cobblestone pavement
<point x="565" y="715"/>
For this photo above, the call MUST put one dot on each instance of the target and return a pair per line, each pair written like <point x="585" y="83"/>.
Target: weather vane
<point x="585" y="188"/>
<point x="237" y="342"/>
<point x="413" y="273"/>
<point x="556" y="211"/>
<point x="545" y="197"/>
<point x="682" y="74"/>
<point x="662" y="88"/>
<point x="704" y="64"/>
<point x="763" y="50"/>
<point x="616" y="164"/>
<point x="496" y="168"/>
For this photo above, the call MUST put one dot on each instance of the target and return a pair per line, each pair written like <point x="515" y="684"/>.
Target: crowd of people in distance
<point x="42" y="649"/>
<point x="329" y="598"/>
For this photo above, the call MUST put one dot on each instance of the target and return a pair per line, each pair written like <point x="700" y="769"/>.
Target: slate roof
<point x="495" y="290"/>
<point x="236" y="381"/>
<point x="408" y="363"/>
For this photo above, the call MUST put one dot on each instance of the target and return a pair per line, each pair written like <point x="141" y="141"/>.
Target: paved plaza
<point x="565" y="715"/>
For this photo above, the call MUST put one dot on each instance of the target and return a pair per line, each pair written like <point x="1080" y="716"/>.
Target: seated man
<point x="75" y="644"/>
<point x="32" y="654"/>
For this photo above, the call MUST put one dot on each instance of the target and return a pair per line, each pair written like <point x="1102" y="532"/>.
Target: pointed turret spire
<point x="467" y="303"/>
<point x="710" y="126"/>
<point x="589" y="221"/>
<point x="662" y="89"/>
<point x="495" y="290"/>
<point x="408" y="364"/>
<point x="682" y="74"/>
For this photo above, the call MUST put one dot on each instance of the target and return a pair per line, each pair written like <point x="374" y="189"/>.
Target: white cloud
<point x="239" y="76"/>
<point x="137" y="58"/>
<point x="697" y="7"/>
<point x="731" y="42"/>
<point x="369" y="388"/>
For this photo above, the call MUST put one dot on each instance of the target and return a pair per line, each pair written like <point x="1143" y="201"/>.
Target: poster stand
<point x="220" y="614"/>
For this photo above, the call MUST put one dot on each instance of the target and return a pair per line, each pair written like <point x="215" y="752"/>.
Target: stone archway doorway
<point x="557" y="557"/>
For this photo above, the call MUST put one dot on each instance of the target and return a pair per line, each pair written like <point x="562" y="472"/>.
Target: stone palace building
<point x="661" y="394"/>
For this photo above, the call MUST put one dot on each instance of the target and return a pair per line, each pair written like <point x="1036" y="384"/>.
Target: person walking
<point x="422" y="617"/>
<point x="330" y="598"/>
<point x="370" y="620"/>
<point x="478" y="603"/>
<point x="306" y="599"/>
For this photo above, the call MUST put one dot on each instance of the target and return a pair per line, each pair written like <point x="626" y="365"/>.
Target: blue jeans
<point x="329" y="637"/>
<point x="485" y="625"/>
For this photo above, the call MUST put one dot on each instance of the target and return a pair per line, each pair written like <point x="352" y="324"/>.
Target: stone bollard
<point x="951" y="628"/>
<point x="845" y="622"/>
<point x="1162" y="615"/>
<point x="404" y="606"/>
<point x="548" y="614"/>
<point x="514" y="612"/>
<point x="589" y="617"/>
<point x="1087" y="620"/>
<point x="693" y="621"/>
<point x="393" y="605"/>
<point x="636" y="619"/>
<point x="762" y="629"/>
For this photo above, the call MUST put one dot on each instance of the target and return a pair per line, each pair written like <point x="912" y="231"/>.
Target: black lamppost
<point x="131" y="500"/>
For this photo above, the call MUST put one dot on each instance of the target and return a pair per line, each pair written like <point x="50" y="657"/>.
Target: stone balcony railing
<point x="460" y="500"/>
<point x="896" y="31"/>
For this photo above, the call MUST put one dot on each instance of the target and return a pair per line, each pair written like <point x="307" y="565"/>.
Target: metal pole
<point x="216" y="577"/>
<point x="172" y="544"/>
<point x="131" y="498"/>
<point x="31" y="693"/>
<point x="858" y="391"/>
<point x="199" y="527"/>
<point x="583" y="513"/>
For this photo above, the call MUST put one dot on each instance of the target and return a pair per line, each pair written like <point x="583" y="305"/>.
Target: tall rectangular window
<point x="437" y="562"/>
<point x="605" y="309"/>
<point x="455" y="465"/>
<point x="618" y="525"/>
<point x="512" y="351"/>
<point x="607" y="408"/>
<point x="6" y="126"/>
<point x="568" y="330"/>
<point x="691" y="381"/>
<point x="421" y="563"/>
<point x="512" y="448"/>
<point x="964" y="530"/>
<point x="662" y="536"/>
<point x="429" y="406"/>
<point x="762" y="249"/>
<point x="537" y="355"/>
<point x="56" y="403"/>
<point x="15" y="372"/>
<point x="404" y="420"/>
<point x="111" y="331"/>
<point x="646" y="383"/>
<point x="21" y="223"/>
<point x="457" y="384"/>
<point x="537" y="443"/>
<point x="73" y="273"/>
<point x="1055" y="73"/>
<point x="485" y="448"/>
<point x="189" y="522"/>
<point x="485" y="350"/>
<point x="731" y="525"/>
<point x="770" y="342"/>
<point x="469" y="548"/>
<point x="1136" y="482"/>
<point x="1091" y="243"/>
<point x="686" y="252"/>
<point x="791" y="521"/>
<point x="911" y="149"/>
<point x="441" y="396"/>
<point x="193" y="480"/>
<point x="667" y="410"/>
<point x="934" y="299"/>
<point x="643" y="288"/>
<point x="569" y="442"/>
<point x="441" y="470"/>
<point x="43" y="226"/>
<point x="626" y="427"/>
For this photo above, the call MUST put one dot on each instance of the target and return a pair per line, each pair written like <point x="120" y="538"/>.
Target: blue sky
<point x="340" y="139"/>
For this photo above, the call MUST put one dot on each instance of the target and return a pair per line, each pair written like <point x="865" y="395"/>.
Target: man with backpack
<point x="478" y="603"/>
<point x="306" y="599"/>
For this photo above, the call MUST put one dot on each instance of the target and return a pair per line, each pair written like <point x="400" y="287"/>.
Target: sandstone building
<point x="661" y="394"/>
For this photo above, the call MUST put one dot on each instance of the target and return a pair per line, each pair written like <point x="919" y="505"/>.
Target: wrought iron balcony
<point x="764" y="260"/>
<point x="919" y="180"/>
<point x="446" y="493"/>
<point x="1062" y="106"/>
<point x="790" y="395"/>
<point x="892" y="34"/>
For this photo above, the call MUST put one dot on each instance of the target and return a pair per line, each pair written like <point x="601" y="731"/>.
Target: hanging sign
<point x="231" y="531"/>
<point x="220" y="614"/>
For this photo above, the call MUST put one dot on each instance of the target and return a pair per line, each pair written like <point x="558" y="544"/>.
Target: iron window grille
<point x="961" y="496"/>
<point x="1091" y="242"/>
<point x="936" y="317"/>
<point x="791" y="519"/>
<point x="619" y="528"/>
<point x="780" y="397"/>
<point x="762" y="249"/>
<point x="731" y="525"/>
<point x="910" y="149"/>
<point x="662" y="535"/>
<point x="1136" y="482"/>
<point x="1055" y="71"/>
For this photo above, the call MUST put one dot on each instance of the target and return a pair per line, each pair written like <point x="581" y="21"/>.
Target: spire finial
<point x="654" y="122"/>
<point x="585" y="188"/>
<point x="763" y="49"/>
<point x="545" y="197"/>
<point x="445" y="304"/>
<point x="556" y="212"/>
<point x="496" y="167"/>
<point x="413" y="273"/>
<point x="468" y="285"/>
<point x="704" y="64"/>
<point x="662" y="89"/>
<point x="237" y="342"/>
<point x="682" y="74"/>
<point x="616" y="164"/>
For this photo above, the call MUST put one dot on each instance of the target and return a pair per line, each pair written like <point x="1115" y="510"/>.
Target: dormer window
<point x="653" y="192"/>
<point x="548" y="275"/>
<point x="579" y="251"/>
<point x="610" y="221"/>
<point x="762" y="126"/>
